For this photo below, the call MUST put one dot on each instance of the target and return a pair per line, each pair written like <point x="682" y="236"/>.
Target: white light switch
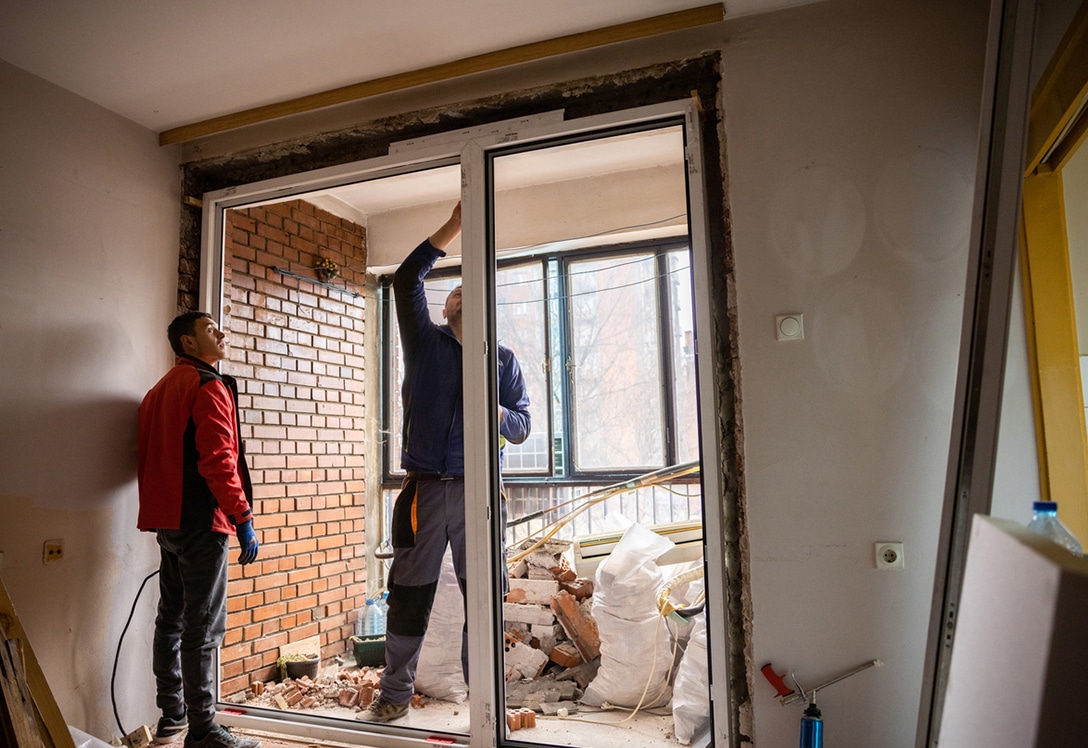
<point x="789" y="327"/>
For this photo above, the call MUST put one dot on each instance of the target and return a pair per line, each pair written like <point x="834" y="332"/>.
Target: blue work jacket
<point x="433" y="436"/>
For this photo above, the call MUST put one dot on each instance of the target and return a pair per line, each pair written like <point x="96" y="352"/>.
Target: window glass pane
<point x="520" y="327"/>
<point x="558" y="367"/>
<point x="683" y="356"/>
<point x="616" y="365"/>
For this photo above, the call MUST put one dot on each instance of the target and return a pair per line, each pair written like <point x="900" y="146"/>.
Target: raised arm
<point x="448" y="231"/>
<point x="413" y="318"/>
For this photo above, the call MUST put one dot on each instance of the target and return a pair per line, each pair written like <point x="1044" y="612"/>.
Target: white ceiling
<point x="166" y="63"/>
<point x="579" y="160"/>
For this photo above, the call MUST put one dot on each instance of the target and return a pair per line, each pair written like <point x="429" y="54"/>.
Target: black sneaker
<point x="220" y="737"/>
<point x="381" y="710"/>
<point x="170" y="729"/>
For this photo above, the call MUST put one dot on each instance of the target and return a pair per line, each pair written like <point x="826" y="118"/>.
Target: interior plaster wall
<point x="88" y="272"/>
<point x="852" y="153"/>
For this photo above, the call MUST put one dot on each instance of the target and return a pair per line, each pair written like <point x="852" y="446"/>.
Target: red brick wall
<point x="297" y="351"/>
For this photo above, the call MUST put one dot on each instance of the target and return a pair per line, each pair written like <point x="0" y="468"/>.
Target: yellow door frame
<point x="1057" y="125"/>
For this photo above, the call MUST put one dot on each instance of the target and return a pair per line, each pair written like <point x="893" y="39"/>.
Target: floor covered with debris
<point x="619" y="660"/>
<point x="342" y="693"/>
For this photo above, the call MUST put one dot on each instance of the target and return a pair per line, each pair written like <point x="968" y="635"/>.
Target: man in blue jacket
<point x="430" y="510"/>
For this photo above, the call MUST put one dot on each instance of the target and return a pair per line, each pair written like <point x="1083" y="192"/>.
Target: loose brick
<point x="565" y="654"/>
<point x="366" y="695"/>
<point x="535" y="591"/>
<point x="531" y="614"/>
<point x="581" y="588"/>
<point x="563" y="574"/>
<point x="522" y="661"/>
<point x="579" y="627"/>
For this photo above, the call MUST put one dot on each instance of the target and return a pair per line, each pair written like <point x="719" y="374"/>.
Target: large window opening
<point x="602" y="330"/>
<point x="599" y="304"/>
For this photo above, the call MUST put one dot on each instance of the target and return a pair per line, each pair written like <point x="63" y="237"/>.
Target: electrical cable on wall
<point x="117" y="656"/>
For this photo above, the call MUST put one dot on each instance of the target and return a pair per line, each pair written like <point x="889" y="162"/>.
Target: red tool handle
<point x="776" y="680"/>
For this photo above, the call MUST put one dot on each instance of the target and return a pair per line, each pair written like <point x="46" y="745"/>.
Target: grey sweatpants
<point x="190" y="623"/>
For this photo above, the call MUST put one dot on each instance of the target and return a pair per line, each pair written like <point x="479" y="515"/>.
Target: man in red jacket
<point x="194" y="494"/>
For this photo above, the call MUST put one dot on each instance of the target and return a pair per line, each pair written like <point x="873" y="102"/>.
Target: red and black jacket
<point x="191" y="464"/>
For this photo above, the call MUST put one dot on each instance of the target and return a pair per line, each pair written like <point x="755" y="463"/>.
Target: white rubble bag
<point x="438" y="673"/>
<point x="691" y="690"/>
<point x="636" y="655"/>
<point x="83" y="740"/>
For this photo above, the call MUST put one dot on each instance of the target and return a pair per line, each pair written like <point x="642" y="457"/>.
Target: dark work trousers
<point x="190" y="623"/>
<point x="428" y="514"/>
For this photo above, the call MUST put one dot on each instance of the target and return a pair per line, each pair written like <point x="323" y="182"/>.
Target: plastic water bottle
<point x="1046" y="523"/>
<point x="384" y="602"/>
<point x="374" y="620"/>
<point x="360" y="618"/>
<point x="382" y="611"/>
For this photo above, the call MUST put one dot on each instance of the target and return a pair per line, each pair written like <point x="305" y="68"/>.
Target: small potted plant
<point x="326" y="269"/>
<point x="297" y="665"/>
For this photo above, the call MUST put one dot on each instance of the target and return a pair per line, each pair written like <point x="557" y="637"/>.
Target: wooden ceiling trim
<point x="647" y="27"/>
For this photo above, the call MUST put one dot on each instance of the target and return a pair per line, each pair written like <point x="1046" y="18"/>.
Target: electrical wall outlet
<point x="889" y="555"/>
<point x="53" y="551"/>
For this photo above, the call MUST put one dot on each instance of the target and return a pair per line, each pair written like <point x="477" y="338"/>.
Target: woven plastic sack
<point x="636" y="656"/>
<point x="691" y="690"/>
<point x="438" y="673"/>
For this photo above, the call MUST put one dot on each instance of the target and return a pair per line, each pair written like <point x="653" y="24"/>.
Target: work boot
<point x="170" y="729"/>
<point x="381" y="710"/>
<point x="220" y="737"/>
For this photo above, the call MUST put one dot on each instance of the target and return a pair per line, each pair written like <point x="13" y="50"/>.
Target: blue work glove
<point x="247" y="540"/>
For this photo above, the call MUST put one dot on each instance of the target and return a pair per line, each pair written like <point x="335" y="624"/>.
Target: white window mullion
<point x="481" y="444"/>
<point x="714" y="498"/>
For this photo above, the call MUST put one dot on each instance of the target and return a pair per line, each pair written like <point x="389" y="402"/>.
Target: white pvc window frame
<point x="472" y="150"/>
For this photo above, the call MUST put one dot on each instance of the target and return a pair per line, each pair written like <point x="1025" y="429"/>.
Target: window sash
<point x="539" y="300"/>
